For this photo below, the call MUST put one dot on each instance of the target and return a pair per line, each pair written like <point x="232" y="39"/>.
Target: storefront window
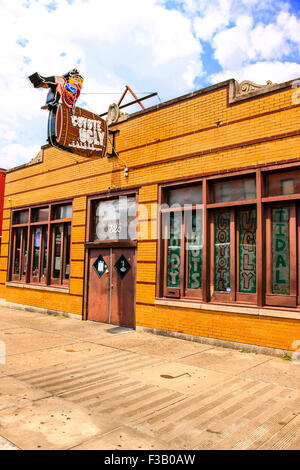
<point x="234" y="252"/>
<point x="36" y="251"/>
<point x="17" y="253"/>
<point x="20" y="217"/>
<point x="67" y="252"/>
<point x="183" y="241"/>
<point x="57" y="252"/>
<point x="222" y="252"/>
<point x="280" y="251"/>
<point x="45" y="253"/>
<point x="40" y="215"/>
<point x="283" y="183"/>
<point x="174" y="242"/>
<point x="247" y="251"/>
<point x="194" y="247"/>
<point x="233" y="190"/>
<point x="31" y="253"/>
<point x="62" y="212"/>
<point x="186" y="195"/>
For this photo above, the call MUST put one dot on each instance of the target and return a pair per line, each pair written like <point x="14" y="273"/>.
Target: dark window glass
<point x="24" y="251"/>
<point x="36" y="251"/>
<point x="40" y="215"/>
<point x="20" y="217"/>
<point x="17" y="251"/>
<point x="57" y="251"/>
<point x="185" y="195"/>
<point x="62" y="212"/>
<point x="234" y="190"/>
<point x="284" y="183"/>
<point x="30" y="245"/>
<point x="45" y="253"/>
<point x="67" y="248"/>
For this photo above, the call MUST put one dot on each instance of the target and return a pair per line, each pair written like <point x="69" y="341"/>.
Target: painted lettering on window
<point x="194" y="247"/>
<point x="280" y="251"/>
<point x="174" y="242"/>
<point x="247" y="251"/>
<point x="222" y="252"/>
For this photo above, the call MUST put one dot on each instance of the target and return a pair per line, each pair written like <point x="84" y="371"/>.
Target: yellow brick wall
<point x="251" y="329"/>
<point x="194" y="137"/>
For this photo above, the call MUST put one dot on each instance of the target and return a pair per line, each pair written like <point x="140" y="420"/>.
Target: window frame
<point x="19" y="277"/>
<point x="217" y="296"/>
<point x="39" y="278"/>
<point x="262" y="202"/>
<point x="183" y="292"/>
<point x="245" y="297"/>
<point x="288" y="300"/>
<point x="90" y="230"/>
<point x="31" y="226"/>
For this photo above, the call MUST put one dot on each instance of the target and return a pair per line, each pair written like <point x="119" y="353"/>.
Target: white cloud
<point x="16" y="154"/>
<point x="258" y="52"/>
<point x="116" y="43"/>
<point x="260" y="72"/>
<point x="193" y="69"/>
<point x="213" y="19"/>
<point x="232" y="46"/>
<point x="151" y="45"/>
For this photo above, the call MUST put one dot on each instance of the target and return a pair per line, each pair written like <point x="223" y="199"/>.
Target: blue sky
<point x="169" y="46"/>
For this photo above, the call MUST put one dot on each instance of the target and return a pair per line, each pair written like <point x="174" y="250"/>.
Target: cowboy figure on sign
<point x="62" y="89"/>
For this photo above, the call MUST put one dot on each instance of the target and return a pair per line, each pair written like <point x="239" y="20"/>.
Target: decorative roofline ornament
<point x="37" y="159"/>
<point x="247" y="88"/>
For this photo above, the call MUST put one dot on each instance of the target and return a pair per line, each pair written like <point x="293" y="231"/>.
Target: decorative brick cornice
<point x="247" y="89"/>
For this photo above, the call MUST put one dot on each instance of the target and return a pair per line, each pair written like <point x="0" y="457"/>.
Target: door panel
<point x="111" y="295"/>
<point x="98" y="287"/>
<point x="123" y="287"/>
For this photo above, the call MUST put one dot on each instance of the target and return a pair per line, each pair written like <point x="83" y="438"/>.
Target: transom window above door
<point x="114" y="219"/>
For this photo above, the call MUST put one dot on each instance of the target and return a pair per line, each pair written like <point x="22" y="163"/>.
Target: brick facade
<point x="200" y="134"/>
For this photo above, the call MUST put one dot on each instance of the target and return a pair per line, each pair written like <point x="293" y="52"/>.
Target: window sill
<point x="62" y="290"/>
<point x="111" y="244"/>
<point x="246" y="310"/>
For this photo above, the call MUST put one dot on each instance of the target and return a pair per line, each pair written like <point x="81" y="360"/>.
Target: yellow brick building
<point x="229" y="157"/>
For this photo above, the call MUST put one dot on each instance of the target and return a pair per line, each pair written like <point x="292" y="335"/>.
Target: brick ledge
<point x="214" y="342"/>
<point x="263" y="312"/>
<point x="61" y="290"/>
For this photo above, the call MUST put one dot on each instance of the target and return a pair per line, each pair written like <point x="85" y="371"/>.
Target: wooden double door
<point x="111" y="286"/>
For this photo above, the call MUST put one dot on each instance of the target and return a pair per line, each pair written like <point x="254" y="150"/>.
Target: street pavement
<point x="69" y="384"/>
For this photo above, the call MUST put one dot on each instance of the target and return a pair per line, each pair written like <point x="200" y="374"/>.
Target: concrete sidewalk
<point x="69" y="384"/>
